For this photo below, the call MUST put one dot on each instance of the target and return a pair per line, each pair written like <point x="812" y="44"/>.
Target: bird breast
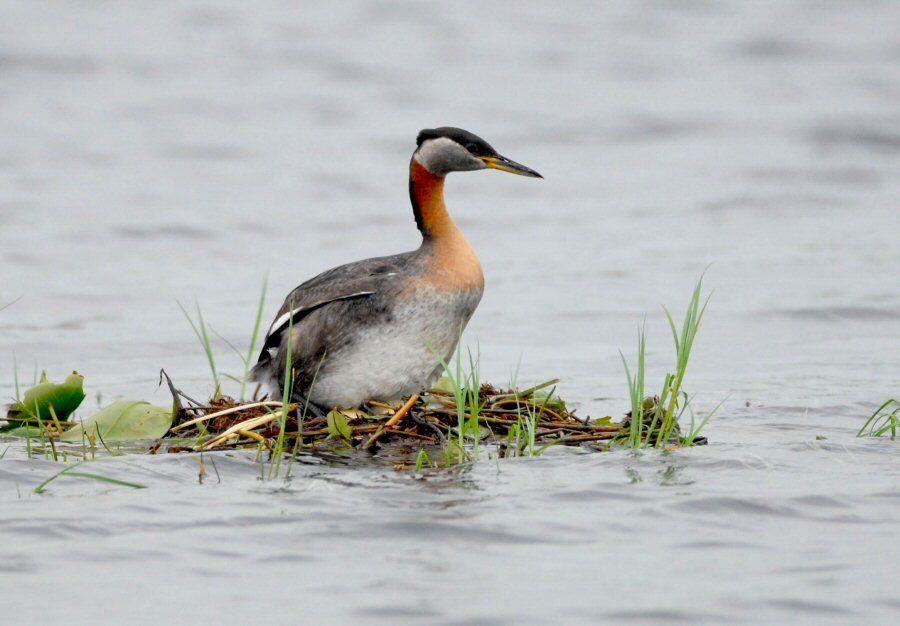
<point x="398" y="356"/>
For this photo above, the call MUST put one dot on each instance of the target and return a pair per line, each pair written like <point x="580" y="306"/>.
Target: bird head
<point x="448" y="149"/>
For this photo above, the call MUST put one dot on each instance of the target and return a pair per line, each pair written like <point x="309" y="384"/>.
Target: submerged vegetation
<point x="451" y="424"/>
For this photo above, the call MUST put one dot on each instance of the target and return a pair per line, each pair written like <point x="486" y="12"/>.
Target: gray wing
<point x="358" y="280"/>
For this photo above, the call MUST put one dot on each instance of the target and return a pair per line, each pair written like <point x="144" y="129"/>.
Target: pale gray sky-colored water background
<point x="158" y="152"/>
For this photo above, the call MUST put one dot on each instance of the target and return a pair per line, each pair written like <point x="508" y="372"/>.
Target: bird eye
<point x="471" y="147"/>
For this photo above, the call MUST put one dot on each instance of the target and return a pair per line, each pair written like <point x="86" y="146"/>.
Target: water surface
<point x="152" y="153"/>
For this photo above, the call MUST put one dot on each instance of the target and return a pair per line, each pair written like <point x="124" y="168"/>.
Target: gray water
<point x="153" y="152"/>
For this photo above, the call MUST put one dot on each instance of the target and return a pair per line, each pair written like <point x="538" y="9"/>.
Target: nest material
<point x="505" y="418"/>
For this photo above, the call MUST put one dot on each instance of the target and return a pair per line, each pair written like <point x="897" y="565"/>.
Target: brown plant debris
<point x="504" y="418"/>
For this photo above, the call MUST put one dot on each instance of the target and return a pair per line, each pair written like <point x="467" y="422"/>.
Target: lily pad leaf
<point x="338" y="426"/>
<point x="124" y="420"/>
<point x="64" y="397"/>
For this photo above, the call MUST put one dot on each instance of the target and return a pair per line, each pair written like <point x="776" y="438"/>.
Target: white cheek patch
<point x="442" y="155"/>
<point x="434" y="151"/>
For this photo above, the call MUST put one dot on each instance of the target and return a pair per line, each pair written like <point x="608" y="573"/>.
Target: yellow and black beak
<point x="497" y="162"/>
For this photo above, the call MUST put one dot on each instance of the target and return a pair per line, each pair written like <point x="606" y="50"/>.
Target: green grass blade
<point x="16" y="378"/>
<point x="68" y="470"/>
<point x="203" y="337"/>
<point x="458" y="384"/>
<point x="287" y="392"/>
<point x="881" y="421"/>
<point x="107" y="479"/>
<point x="255" y="335"/>
<point x="421" y="460"/>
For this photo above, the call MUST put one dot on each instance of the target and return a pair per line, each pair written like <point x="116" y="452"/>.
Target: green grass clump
<point x="247" y="358"/>
<point x="886" y="419"/>
<point x="654" y="420"/>
<point x="422" y="460"/>
<point x="472" y="426"/>
<point x="466" y="387"/>
<point x="522" y="438"/>
<point x="203" y="337"/>
<point x="278" y="452"/>
<point x="202" y="331"/>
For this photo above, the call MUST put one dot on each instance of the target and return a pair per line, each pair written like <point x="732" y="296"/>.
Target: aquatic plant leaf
<point x="17" y="429"/>
<point x="549" y="400"/>
<point x="338" y="426"/>
<point x="355" y="414"/>
<point x="444" y="384"/>
<point x="453" y="452"/>
<point x="483" y="433"/>
<point x="64" y="397"/>
<point x="603" y="421"/>
<point x="124" y="420"/>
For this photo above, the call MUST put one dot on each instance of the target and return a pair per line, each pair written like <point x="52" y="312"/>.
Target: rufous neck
<point x="426" y="192"/>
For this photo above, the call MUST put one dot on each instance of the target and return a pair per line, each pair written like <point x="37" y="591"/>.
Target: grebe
<point x="370" y="330"/>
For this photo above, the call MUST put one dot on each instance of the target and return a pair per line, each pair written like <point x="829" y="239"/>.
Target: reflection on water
<point x="149" y="156"/>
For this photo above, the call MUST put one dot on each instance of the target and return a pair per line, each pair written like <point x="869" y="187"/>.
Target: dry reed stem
<point x="234" y="409"/>
<point x="253" y="435"/>
<point x="402" y="411"/>
<point x="249" y="424"/>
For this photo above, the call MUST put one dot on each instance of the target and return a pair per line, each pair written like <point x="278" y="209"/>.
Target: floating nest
<point x="514" y="422"/>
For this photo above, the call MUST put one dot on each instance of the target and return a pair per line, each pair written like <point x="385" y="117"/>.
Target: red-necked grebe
<point x="369" y="330"/>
